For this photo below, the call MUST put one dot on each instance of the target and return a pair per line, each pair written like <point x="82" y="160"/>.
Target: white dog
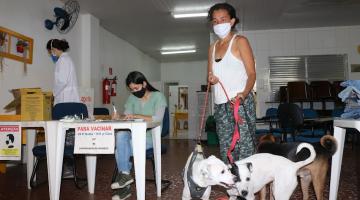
<point x="200" y="174"/>
<point x="260" y="169"/>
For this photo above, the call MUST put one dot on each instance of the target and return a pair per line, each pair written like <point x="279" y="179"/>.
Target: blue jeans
<point x="124" y="150"/>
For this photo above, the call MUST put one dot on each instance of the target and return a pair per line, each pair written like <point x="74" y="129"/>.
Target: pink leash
<point x="238" y="120"/>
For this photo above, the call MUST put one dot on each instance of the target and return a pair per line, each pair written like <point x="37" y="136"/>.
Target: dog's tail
<point x="329" y="144"/>
<point x="310" y="150"/>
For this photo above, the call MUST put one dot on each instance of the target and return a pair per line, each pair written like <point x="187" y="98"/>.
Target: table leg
<point x="339" y="134"/>
<point x="156" y="136"/>
<point x="30" y="143"/>
<point x="55" y="141"/>
<point x="138" y="133"/>
<point x="91" y="172"/>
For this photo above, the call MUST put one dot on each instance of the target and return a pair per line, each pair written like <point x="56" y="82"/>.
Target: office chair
<point x="150" y="152"/>
<point x="291" y="120"/>
<point x="101" y="111"/>
<point x="60" y="111"/>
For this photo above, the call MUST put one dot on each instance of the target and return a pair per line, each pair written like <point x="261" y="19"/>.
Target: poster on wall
<point x="10" y="141"/>
<point x="87" y="98"/>
<point x="94" y="139"/>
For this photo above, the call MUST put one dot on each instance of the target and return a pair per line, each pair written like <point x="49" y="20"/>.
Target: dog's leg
<point x="283" y="190"/>
<point x="206" y="195"/>
<point x="262" y="193"/>
<point x="305" y="183"/>
<point x="319" y="178"/>
<point x="186" y="193"/>
<point x="271" y="193"/>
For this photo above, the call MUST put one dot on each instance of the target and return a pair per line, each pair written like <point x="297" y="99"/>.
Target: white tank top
<point x="231" y="72"/>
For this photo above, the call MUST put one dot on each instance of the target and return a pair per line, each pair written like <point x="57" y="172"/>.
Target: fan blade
<point x="49" y="24"/>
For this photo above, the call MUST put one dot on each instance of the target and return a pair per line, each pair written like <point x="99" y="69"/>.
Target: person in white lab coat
<point x="65" y="81"/>
<point x="65" y="86"/>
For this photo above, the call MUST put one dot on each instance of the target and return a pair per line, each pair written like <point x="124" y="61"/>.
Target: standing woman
<point x="65" y="86"/>
<point x="65" y="81"/>
<point x="147" y="103"/>
<point x="231" y="62"/>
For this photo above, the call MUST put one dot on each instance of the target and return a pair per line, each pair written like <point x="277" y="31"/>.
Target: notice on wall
<point x="87" y="98"/>
<point x="10" y="142"/>
<point x="94" y="139"/>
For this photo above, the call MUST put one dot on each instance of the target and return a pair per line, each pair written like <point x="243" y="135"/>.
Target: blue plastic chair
<point x="101" y="111"/>
<point x="309" y="128"/>
<point x="60" y="111"/>
<point x="271" y="118"/>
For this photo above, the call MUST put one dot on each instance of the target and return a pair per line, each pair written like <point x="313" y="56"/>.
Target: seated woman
<point x="145" y="102"/>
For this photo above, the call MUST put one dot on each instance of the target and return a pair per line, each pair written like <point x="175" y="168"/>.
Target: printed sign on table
<point x="10" y="142"/>
<point x="94" y="139"/>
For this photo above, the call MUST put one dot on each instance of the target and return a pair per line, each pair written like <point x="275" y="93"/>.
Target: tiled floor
<point x="13" y="183"/>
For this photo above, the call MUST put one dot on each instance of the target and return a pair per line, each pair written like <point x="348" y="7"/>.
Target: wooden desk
<point x="179" y="116"/>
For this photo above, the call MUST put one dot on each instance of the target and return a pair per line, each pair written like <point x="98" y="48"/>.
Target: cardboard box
<point x="31" y="103"/>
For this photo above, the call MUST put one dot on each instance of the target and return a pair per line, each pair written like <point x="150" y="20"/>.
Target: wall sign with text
<point x="10" y="142"/>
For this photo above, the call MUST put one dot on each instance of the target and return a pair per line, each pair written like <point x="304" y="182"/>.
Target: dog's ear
<point x="204" y="171"/>
<point x="249" y="166"/>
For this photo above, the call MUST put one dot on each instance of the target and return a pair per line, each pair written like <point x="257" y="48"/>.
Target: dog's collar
<point x="196" y="192"/>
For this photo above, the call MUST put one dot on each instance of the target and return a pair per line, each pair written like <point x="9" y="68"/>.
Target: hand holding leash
<point x="213" y="79"/>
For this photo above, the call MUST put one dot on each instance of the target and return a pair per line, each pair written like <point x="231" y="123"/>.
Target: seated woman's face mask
<point x="140" y="93"/>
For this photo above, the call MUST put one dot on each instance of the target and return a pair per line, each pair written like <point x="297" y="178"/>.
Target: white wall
<point x="192" y="74"/>
<point x="123" y="58"/>
<point x="27" y="18"/>
<point x="91" y="46"/>
<point x="309" y="41"/>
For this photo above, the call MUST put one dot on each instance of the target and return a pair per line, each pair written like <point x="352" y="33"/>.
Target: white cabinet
<point x="200" y="110"/>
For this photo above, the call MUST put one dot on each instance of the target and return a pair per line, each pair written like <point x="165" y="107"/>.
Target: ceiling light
<point x="178" y="52"/>
<point x="188" y="15"/>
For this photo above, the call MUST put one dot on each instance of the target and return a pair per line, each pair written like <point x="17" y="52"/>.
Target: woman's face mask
<point x="54" y="58"/>
<point x="222" y="30"/>
<point x="139" y="94"/>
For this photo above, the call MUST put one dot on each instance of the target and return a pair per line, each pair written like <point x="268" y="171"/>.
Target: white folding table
<point x="340" y="126"/>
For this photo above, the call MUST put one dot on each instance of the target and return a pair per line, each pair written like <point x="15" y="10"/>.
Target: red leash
<point x="238" y="120"/>
<point x="203" y="114"/>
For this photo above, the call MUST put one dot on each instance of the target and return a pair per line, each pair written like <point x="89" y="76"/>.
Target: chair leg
<point x="32" y="182"/>
<point x="115" y="173"/>
<point x="164" y="183"/>
<point x="77" y="179"/>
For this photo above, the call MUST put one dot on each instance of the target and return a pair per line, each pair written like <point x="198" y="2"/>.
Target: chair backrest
<point x="310" y="113"/>
<point x="101" y="111"/>
<point x="298" y="91"/>
<point x="337" y="112"/>
<point x="165" y="123"/>
<point x="321" y="89"/>
<point x="290" y="115"/>
<point x="61" y="110"/>
<point x="271" y="112"/>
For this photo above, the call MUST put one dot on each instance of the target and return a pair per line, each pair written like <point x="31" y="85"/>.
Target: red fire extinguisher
<point x="113" y="87"/>
<point x="106" y="91"/>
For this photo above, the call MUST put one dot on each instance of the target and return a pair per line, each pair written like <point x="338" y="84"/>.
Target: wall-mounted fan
<point x="65" y="17"/>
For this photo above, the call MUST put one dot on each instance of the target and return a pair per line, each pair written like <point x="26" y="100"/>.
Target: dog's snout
<point x="244" y="193"/>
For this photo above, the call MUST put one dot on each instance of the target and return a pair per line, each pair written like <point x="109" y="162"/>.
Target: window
<point x="305" y="68"/>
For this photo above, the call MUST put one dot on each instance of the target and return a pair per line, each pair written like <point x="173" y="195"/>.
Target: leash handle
<point x="203" y="114"/>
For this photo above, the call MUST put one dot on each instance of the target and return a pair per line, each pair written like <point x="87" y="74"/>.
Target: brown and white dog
<point x="315" y="171"/>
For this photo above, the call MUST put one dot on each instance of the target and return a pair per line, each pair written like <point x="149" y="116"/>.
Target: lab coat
<point x="65" y="81"/>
